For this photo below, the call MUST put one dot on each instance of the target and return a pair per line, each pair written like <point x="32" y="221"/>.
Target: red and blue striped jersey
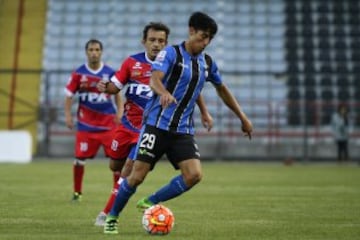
<point x="96" y="111"/>
<point x="134" y="76"/>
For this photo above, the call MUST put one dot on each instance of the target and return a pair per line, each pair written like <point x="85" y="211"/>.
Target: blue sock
<point x="123" y="196"/>
<point x="176" y="187"/>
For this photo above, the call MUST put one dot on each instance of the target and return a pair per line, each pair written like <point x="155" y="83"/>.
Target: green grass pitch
<point x="239" y="201"/>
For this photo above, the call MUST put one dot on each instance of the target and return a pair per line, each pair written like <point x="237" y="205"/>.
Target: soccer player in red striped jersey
<point x="135" y="74"/>
<point x="97" y="114"/>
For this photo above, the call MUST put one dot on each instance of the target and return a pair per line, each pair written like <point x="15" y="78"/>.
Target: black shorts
<point x="154" y="143"/>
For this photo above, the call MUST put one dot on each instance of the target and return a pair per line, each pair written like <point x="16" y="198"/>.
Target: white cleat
<point x="100" y="219"/>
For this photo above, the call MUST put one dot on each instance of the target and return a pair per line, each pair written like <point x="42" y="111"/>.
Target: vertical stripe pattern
<point x="187" y="96"/>
<point x="172" y="79"/>
<point x="185" y="76"/>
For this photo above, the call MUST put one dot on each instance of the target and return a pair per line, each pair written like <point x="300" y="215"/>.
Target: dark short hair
<point x="157" y="26"/>
<point x="202" y="21"/>
<point x="92" y="41"/>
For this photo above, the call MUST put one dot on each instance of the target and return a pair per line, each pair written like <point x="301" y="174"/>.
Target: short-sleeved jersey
<point x="184" y="78"/>
<point x="96" y="110"/>
<point x="134" y="73"/>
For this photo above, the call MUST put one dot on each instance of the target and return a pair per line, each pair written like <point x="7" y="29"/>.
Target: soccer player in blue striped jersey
<point x="178" y="76"/>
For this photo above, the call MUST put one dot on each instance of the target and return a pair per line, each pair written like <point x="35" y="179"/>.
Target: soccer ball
<point x="158" y="220"/>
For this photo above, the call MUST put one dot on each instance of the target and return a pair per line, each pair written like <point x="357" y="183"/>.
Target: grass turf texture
<point x="234" y="201"/>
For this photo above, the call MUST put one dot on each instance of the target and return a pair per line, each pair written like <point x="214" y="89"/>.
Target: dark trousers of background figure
<point x="342" y="150"/>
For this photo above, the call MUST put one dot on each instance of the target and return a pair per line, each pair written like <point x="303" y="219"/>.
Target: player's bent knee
<point x="116" y="165"/>
<point x="135" y="180"/>
<point x="193" y="178"/>
<point x="126" y="170"/>
<point x="138" y="173"/>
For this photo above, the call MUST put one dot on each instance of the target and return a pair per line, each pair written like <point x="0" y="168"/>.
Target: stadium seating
<point x="327" y="35"/>
<point x="314" y="44"/>
<point x="72" y="19"/>
<point x="250" y="43"/>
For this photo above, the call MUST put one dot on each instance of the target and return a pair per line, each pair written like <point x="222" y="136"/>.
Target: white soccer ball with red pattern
<point x="158" y="220"/>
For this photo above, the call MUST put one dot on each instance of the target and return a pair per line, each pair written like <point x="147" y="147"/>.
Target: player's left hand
<point x="247" y="127"/>
<point x="101" y="86"/>
<point x="207" y="121"/>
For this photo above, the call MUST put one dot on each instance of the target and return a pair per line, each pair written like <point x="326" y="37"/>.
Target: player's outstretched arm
<point x="231" y="102"/>
<point x="206" y="119"/>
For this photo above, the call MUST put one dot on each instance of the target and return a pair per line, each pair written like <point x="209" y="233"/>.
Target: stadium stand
<point x="251" y="42"/>
<point x="289" y="62"/>
<point x="329" y="33"/>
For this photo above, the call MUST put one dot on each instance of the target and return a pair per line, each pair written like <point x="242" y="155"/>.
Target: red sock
<point x="111" y="199"/>
<point x="116" y="176"/>
<point x="78" y="174"/>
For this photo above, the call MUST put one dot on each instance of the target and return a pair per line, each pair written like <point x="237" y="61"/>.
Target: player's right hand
<point x="166" y="99"/>
<point x="101" y="86"/>
<point x="69" y="122"/>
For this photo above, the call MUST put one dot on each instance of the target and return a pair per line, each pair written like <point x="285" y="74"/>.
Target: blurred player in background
<point x="97" y="114"/>
<point x="340" y="129"/>
<point x="178" y="76"/>
<point x="134" y="74"/>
